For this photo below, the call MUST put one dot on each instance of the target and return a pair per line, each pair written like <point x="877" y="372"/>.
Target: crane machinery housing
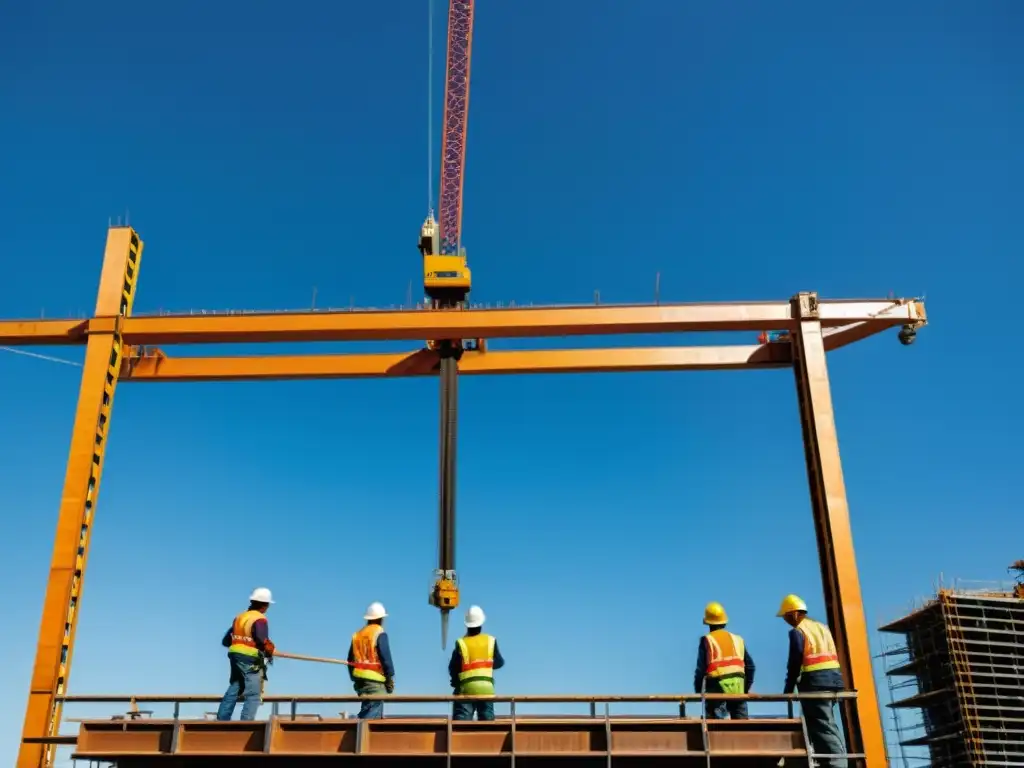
<point x="123" y="347"/>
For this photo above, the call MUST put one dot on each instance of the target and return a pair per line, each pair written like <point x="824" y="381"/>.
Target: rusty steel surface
<point x="281" y="741"/>
<point x="420" y="324"/>
<point x="166" y="368"/>
<point x="840" y="582"/>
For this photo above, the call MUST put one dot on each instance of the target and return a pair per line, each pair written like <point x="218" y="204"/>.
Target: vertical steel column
<point x="843" y="605"/>
<point x="449" y="391"/>
<point x="78" y="499"/>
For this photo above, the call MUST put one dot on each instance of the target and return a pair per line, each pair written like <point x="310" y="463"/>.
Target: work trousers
<point x="370" y="710"/>
<point x="720" y="710"/>
<point x="823" y="731"/>
<point x="463" y="710"/>
<point x="245" y="680"/>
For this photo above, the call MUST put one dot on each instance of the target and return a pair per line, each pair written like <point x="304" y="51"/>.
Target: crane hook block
<point x="444" y="593"/>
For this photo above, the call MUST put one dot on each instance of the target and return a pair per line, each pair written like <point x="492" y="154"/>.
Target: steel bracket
<point x="805" y="305"/>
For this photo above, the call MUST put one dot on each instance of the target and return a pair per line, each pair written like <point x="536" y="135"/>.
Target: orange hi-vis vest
<point x="725" y="655"/>
<point x="477" y="673"/>
<point x="819" y="647"/>
<point x="367" y="664"/>
<point x="241" y="633"/>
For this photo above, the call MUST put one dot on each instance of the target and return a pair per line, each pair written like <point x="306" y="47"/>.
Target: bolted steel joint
<point x="805" y="305"/>
<point x="450" y="349"/>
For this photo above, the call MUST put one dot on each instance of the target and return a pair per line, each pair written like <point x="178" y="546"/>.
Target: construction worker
<point x="370" y="667"/>
<point x="723" y="666"/>
<point x="472" y="666"/>
<point x="814" y="667"/>
<point x="249" y="652"/>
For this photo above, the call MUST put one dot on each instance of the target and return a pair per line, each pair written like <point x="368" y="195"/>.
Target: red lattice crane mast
<point x="456" y="115"/>
<point x="447" y="282"/>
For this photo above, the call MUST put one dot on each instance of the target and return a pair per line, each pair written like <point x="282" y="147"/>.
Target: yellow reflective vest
<point x="725" y="654"/>
<point x="819" y="647"/>
<point x="476" y="676"/>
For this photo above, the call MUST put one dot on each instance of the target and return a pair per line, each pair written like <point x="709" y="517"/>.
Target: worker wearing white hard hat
<point x="723" y="666"/>
<point x="472" y="666"/>
<point x="250" y="650"/>
<point x="371" y="668"/>
<point x="813" y="666"/>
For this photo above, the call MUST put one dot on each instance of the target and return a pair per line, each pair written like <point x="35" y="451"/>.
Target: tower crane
<point x="446" y="283"/>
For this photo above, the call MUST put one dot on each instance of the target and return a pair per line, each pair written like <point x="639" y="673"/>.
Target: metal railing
<point x="290" y="705"/>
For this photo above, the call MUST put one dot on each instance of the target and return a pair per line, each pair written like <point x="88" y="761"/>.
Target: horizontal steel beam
<point x="468" y="324"/>
<point x="280" y="741"/>
<point x="25" y="333"/>
<point x="163" y="368"/>
<point x="844" y="335"/>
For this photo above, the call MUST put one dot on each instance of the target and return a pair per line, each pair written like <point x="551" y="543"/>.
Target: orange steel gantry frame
<point x="120" y="347"/>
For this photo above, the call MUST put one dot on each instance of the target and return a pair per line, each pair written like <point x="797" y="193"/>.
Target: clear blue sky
<point x="743" y="151"/>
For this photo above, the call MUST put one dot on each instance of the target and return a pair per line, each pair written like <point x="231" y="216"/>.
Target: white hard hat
<point x="475" y="617"/>
<point x="260" y="595"/>
<point x="375" y="611"/>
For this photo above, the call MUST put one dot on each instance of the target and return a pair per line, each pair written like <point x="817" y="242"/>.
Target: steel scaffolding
<point x="964" y="653"/>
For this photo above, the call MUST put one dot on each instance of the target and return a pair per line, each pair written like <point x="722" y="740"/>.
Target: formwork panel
<point x="404" y="737"/>
<point x="212" y="737"/>
<point x="750" y="737"/>
<point x="314" y="737"/>
<point x="547" y="737"/>
<point x="655" y="737"/>
<point x="111" y="736"/>
<point x="480" y="739"/>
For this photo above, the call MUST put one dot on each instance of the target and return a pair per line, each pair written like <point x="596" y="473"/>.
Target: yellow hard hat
<point x="714" y="613"/>
<point x="791" y="603"/>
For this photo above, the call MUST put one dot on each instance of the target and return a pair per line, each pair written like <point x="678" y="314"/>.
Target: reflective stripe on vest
<point x="241" y="633"/>
<point x="477" y="658"/>
<point x="819" y="647"/>
<point x="725" y="654"/>
<point x="367" y="664"/>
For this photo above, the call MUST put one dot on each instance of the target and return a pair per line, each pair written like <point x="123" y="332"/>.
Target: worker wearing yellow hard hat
<point x="814" y="667"/>
<point x="369" y="662"/>
<point x="723" y="665"/>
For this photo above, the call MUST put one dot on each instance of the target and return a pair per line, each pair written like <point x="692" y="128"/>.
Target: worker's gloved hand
<point x="389" y="685"/>
<point x="268" y="649"/>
